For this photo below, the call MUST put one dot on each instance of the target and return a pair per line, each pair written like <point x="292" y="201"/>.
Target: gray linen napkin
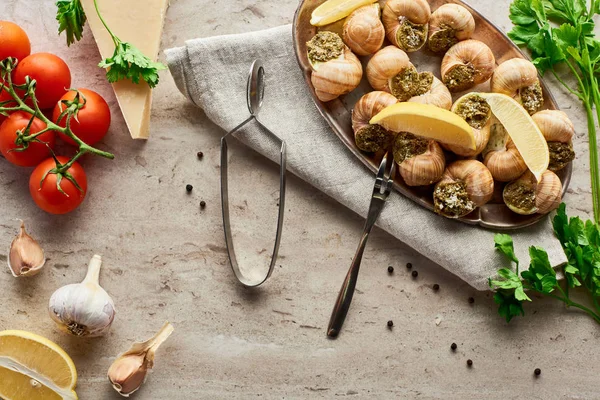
<point x="212" y="73"/>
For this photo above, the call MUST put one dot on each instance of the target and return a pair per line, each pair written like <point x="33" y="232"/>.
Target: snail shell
<point x="518" y="78"/>
<point x="363" y="31"/>
<point x="501" y="156"/>
<point x="336" y="70"/>
<point x="420" y="161"/>
<point x="476" y="112"/>
<point x="405" y="23"/>
<point x="437" y="95"/>
<point x="371" y="138"/>
<point x="558" y="130"/>
<point x="526" y="196"/>
<point x="448" y="25"/>
<point x="465" y="185"/>
<point x="466" y="64"/>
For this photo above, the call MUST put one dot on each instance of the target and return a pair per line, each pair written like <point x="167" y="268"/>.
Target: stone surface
<point x="164" y="259"/>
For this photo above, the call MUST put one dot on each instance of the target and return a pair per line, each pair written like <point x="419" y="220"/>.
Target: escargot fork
<point x="381" y="190"/>
<point x="255" y="92"/>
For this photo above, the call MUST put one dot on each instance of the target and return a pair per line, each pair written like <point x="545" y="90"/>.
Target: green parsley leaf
<point x="567" y="35"/>
<point x="560" y="222"/>
<point x="508" y="305"/>
<point x="128" y="62"/>
<point x="540" y="275"/>
<point x="521" y="12"/>
<point x="523" y="34"/>
<point x="71" y="19"/>
<point x="504" y="244"/>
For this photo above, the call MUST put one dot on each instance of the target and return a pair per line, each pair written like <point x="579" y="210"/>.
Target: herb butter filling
<point x="532" y="98"/>
<point x="325" y="46"/>
<point x="408" y="83"/>
<point x="460" y="77"/>
<point x="407" y="145"/>
<point x="411" y="36"/>
<point x="443" y="39"/>
<point x="560" y="155"/>
<point x="452" y="200"/>
<point x="373" y="138"/>
<point x="475" y="110"/>
<point x="520" y="196"/>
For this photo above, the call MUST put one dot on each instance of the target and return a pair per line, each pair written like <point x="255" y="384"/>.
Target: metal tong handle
<point x="381" y="190"/>
<point x="254" y="97"/>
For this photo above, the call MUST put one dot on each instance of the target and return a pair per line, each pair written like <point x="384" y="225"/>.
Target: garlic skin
<point x="420" y="161"/>
<point x="363" y="31"/>
<point x="448" y="25"/>
<point x="405" y="23"/>
<point x="526" y="196"/>
<point x="128" y="372"/>
<point x="501" y="156"/>
<point x="465" y="185"/>
<point x="371" y="138"/>
<point x="558" y="130"/>
<point x="466" y="64"/>
<point x="25" y="256"/>
<point x="518" y="78"/>
<point x="83" y="309"/>
<point x="438" y="95"/>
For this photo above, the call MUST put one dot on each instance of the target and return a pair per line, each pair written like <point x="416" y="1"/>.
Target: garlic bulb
<point x="526" y="196"/>
<point x="420" y="161"/>
<point x="501" y="156"/>
<point x="476" y="112"/>
<point x="465" y="185"/>
<point x="336" y="70"/>
<point x="25" y="256"/>
<point x="363" y="31"/>
<point x="558" y="130"/>
<point x="368" y="137"/>
<point x="128" y="372"/>
<point x="448" y="25"/>
<point x="405" y="23"/>
<point x="518" y="78"/>
<point x="466" y="64"/>
<point x="83" y="309"/>
<point x="438" y="95"/>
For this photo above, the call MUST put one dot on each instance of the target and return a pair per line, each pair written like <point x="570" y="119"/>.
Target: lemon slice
<point x="334" y="10"/>
<point x="34" y="368"/>
<point x="427" y="121"/>
<point x="523" y="131"/>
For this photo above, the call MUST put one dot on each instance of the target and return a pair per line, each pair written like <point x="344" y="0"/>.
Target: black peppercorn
<point x="453" y="346"/>
<point x="202" y="204"/>
<point x="470" y="363"/>
<point x="415" y="274"/>
<point x="390" y="323"/>
<point x="200" y="154"/>
<point x="188" y="187"/>
<point x="537" y="371"/>
<point x="471" y="300"/>
<point x="409" y="265"/>
<point x="436" y="287"/>
<point x="391" y="269"/>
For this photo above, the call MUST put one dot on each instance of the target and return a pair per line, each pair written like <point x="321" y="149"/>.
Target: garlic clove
<point x="25" y="257"/>
<point x="128" y="372"/>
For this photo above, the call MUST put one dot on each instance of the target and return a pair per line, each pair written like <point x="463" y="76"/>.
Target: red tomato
<point x="3" y="97"/>
<point x="36" y="151"/>
<point x="45" y="193"/>
<point x="94" y="117"/>
<point x="13" y="41"/>
<point x="51" y="74"/>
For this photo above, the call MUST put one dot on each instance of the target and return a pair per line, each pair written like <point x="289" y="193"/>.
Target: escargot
<point x="336" y="70"/>
<point x="391" y="71"/>
<point x="526" y="196"/>
<point x="437" y="95"/>
<point x="420" y="161"/>
<point x="466" y="64"/>
<point x="518" y="78"/>
<point x="476" y="112"/>
<point x="371" y="137"/>
<point x="405" y="23"/>
<point x="363" y="31"/>
<point x="558" y="130"/>
<point x="501" y="156"/>
<point x="448" y="25"/>
<point x="465" y="185"/>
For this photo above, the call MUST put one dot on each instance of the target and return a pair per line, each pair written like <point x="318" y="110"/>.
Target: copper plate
<point x="337" y="113"/>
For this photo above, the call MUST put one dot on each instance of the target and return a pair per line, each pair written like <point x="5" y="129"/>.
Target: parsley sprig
<point x="560" y="32"/>
<point x="127" y="62"/>
<point x="581" y="243"/>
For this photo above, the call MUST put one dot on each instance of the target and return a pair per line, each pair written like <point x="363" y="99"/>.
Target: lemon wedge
<point x="426" y="121"/>
<point x="334" y="10"/>
<point x="34" y="368"/>
<point x="523" y="131"/>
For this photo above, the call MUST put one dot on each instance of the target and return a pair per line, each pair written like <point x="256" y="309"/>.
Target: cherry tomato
<point x="51" y="74"/>
<point x="94" y="117"/>
<point x="4" y="96"/>
<point x="36" y="151"/>
<point x="44" y="190"/>
<point x="13" y="41"/>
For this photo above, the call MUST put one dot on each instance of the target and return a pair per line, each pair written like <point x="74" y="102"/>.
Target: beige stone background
<point x="164" y="259"/>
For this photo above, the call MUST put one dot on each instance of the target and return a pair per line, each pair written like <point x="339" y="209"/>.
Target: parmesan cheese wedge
<point x="139" y="23"/>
